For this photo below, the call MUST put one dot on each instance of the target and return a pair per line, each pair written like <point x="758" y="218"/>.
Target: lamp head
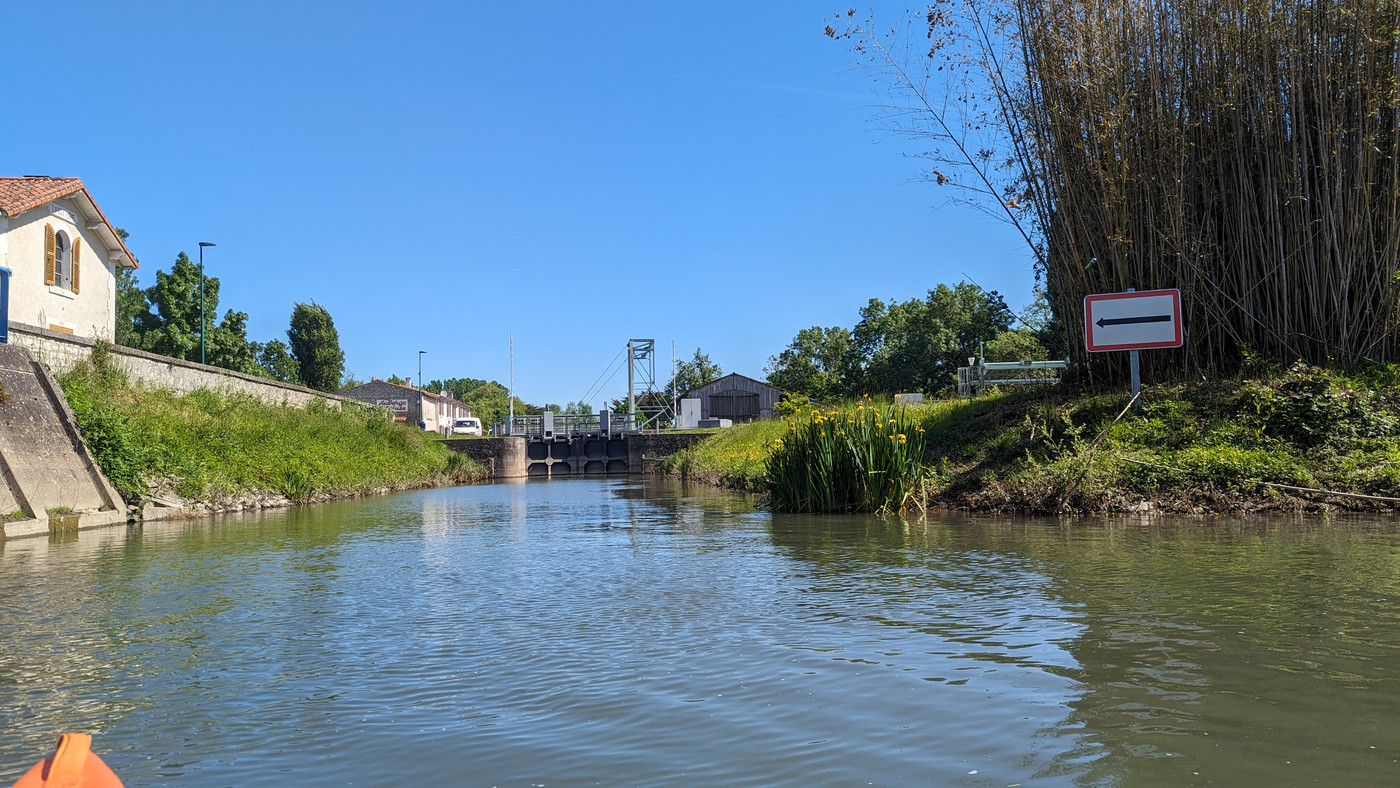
<point x="206" y="243"/>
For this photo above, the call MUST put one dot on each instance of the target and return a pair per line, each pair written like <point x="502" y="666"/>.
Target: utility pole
<point x="510" y="399"/>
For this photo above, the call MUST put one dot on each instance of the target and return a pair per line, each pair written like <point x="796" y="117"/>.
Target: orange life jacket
<point x="72" y="765"/>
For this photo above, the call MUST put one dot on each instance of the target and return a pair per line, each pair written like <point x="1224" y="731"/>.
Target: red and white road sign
<point x="1132" y="321"/>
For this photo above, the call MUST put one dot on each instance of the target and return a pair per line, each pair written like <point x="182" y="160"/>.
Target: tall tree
<point x="316" y="347"/>
<point x="918" y="345"/>
<point x="131" y="300"/>
<point x="276" y="361"/>
<point x="693" y="374"/>
<point x="227" y="345"/>
<point x="820" y="363"/>
<point x="169" y="321"/>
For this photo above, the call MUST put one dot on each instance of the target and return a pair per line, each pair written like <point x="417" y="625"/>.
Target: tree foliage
<point x="489" y="400"/>
<point x="316" y="347"/>
<point x="131" y="301"/>
<point x="820" y="363"/>
<point x="227" y="345"/>
<point x="165" y="318"/>
<point x="169" y="322"/>
<point x="693" y="374"/>
<point x="914" y="345"/>
<point x="275" y="359"/>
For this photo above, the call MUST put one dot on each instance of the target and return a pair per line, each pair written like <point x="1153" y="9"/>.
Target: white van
<point x="471" y="425"/>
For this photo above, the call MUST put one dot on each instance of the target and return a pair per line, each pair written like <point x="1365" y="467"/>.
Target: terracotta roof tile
<point x="18" y="195"/>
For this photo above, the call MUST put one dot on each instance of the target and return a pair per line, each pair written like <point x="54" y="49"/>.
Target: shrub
<point x="1312" y="407"/>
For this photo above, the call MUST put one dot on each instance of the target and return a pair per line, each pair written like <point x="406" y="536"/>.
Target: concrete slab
<point x="45" y="466"/>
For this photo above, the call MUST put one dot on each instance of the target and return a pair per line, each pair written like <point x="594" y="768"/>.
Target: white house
<point x="63" y="256"/>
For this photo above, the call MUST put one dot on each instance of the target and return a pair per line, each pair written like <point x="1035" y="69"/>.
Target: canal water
<point x="610" y="632"/>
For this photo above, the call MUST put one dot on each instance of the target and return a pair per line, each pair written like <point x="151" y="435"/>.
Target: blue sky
<point x="444" y="176"/>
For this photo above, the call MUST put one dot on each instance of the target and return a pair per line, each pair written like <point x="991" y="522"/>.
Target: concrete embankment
<point x="48" y="479"/>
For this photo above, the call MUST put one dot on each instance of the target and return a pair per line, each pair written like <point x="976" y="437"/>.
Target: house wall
<point x="444" y="411"/>
<point x="62" y="352"/>
<point x="436" y="413"/>
<point x="91" y="312"/>
<point x="377" y="391"/>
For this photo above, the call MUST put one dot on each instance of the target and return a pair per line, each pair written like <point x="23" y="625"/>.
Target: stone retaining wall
<point x="648" y="445"/>
<point x="62" y="352"/>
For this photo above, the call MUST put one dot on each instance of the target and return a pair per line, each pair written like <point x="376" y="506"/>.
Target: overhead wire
<point x="595" y="387"/>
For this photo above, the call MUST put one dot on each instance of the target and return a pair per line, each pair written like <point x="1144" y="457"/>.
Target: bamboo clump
<point x="1244" y="151"/>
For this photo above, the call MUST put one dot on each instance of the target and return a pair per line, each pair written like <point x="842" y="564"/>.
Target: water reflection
<point x="1226" y="649"/>
<point x="610" y="631"/>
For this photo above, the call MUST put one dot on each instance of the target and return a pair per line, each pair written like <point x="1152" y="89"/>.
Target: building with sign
<point x="434" y="412"/>
<point x="63" y="257"/>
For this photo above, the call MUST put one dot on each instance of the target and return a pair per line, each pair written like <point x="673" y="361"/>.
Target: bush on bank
<point x="1236" y="445"/>
<point x="209" y="445"/>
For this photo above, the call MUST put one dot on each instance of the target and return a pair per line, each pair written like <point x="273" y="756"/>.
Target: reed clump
<point x="863" y="457"/>
<point x="1244" y="152"/>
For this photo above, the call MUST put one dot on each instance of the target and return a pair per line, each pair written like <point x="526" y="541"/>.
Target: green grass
<point x="1214" y="446"/>
<point x="736" y="457"/>
<point x="207" y="445"/>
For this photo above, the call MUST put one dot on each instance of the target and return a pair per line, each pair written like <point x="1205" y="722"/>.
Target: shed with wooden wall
<point x="736" y="397"/>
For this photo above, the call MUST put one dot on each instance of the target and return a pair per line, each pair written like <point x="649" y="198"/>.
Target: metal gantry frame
<point x="641" y="379"/>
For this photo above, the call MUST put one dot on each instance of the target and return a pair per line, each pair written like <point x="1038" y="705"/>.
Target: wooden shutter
<point x="49" y="253"/>
<point x="77" y="247"/>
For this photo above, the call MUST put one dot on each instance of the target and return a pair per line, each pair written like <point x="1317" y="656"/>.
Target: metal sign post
<point x="1132" y="321"/>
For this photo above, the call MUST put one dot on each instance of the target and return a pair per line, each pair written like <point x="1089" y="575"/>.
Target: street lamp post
<point x="202" y="244"/>
<point x="420" y="368"/>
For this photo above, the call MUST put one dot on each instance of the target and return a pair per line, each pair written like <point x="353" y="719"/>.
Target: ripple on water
<point x="600" y="631"/>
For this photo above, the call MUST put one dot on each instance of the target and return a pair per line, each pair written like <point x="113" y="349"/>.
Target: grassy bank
<point x="217" y="448"/>
<point x="1296" y="439"/>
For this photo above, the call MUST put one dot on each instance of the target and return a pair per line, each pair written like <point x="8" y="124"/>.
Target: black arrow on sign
<point x="1122" y="321"/>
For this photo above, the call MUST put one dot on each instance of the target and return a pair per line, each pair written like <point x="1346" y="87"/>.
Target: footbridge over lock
<point x="564" y="445"/>
<point x="559" y="445"/>
<point x="552" y="446"/>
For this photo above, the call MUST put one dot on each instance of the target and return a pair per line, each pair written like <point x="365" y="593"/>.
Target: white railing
<point x="549" y="425"/>
<point x="974" y="380"/>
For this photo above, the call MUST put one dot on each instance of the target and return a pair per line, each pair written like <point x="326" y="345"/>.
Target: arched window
<point x="61" y="259"/>
<point x="62" y="262"/>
